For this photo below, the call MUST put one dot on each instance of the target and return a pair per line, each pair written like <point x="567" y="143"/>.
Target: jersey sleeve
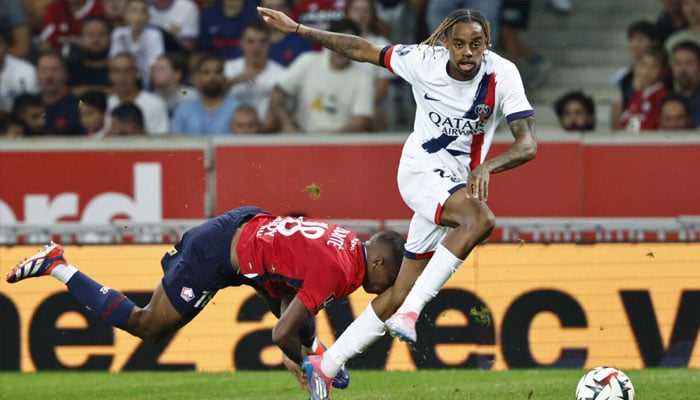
<point x="402" y="60"/>
<point x="514" y="102"/>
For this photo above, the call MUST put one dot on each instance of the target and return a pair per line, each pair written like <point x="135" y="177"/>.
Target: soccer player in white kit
<point x="461" y="89"/>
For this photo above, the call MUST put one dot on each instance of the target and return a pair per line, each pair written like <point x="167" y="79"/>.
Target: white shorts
<point x="425" y="182"/>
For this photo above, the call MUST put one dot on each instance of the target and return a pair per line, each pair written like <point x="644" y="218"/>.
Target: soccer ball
<point x="605" y="383"/>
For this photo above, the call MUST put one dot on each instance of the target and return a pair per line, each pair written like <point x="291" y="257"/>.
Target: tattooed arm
<point x="522" y="150"/>
<point x="353" y="47"/>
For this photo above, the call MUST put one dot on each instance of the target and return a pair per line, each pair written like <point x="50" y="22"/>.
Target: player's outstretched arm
<point x="351" y="46"/>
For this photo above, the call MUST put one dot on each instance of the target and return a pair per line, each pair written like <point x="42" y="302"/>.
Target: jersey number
<point x="309" y="229"/>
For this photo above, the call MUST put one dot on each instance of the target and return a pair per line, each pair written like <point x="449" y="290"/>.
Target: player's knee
<point x="480" y="223"/>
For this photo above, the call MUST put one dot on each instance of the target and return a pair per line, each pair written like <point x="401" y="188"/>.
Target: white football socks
<point x="361" y="333"/>
<point x="439" y="269"/>
<point x="63" y="272"/>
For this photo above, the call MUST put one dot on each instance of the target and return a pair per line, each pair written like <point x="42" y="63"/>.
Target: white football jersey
<point x="457" y="119"/>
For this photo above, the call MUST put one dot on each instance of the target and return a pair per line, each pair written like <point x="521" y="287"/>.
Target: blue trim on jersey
<point x="457" y="152"/>
<point x="519" y="115"/>
<point x="456" y="188"/>
<point x="417" y="256"/>
<point x="481" y="94"/>
<point x="436" y="144"/>
<point x="296" y="283"/>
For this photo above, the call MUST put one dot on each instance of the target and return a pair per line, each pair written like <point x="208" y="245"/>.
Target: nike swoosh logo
<point x="427" y="97"/>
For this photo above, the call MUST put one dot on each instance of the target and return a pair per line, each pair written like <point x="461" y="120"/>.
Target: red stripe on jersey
<point x="475" y="156"/>
<point x="438" y="214"/>
<point x="490" y="99"/>
<point x="387" y="59"/>
<point x="423" y="256"/>
<point x="478" y="140"/>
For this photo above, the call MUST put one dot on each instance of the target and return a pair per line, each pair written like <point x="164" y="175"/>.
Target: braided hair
<point x="456" y="16"/>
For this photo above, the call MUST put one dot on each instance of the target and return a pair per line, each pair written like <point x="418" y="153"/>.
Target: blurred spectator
<point x="87" y="59"/>
<point x="10" y="126"/>
<point x="125" y="88"/>
<point x="513" y="17"/>
<point x="211" y="112"/>
<point x="674" y="113"/>
<point x="114" y="12"/>
<point x="92" y="109"/>
<point x="244" y="120"/>
<point x="14" y="19"/>
<point x="284" y="48"/>
<point x="253" y="76"/>
<point x="576" y="111"/>
<point x="685" y="68"/>
<point x="691" y="12"/>
<point x="143" y="41"/>
<point x="16" y="75"/>
<point x="642" y="111"/>
<point x="670" y="20"/>
<point x="641" y="36"/>
<point x="63" y="20"/>
<point x="167" y="77"/>
<point x="61" y="106"/>
<point x="28" y="110"/>
<point x="222" y="25"/>
<point x="563" y="7"/>
<point x="127" y="120"/>
<point x="180" y="18"/>
<point x="364" y="14"/>
<point x="319" y="13"/>
<point x="35" y="13"/>
<point x="438" y="10"/>
<point x="330" y="94"/>
<point x="400" y="17"/>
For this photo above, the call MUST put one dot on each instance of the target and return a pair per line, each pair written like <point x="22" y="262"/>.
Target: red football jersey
<point x="320" y="260"/>
<point x="60" y="25"/>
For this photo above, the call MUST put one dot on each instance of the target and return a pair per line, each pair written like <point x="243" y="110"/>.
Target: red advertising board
<point x="96" y="186"/>
<point x="356" y="181"/>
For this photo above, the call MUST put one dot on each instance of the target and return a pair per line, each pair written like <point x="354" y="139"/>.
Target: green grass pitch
<point x="550" y="384"/>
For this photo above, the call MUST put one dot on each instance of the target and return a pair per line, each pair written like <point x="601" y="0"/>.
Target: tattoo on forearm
<point x="346" y="45"/>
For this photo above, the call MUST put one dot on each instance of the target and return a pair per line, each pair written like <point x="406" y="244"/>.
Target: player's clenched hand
<point x="478" y="184"/>
<point x="278" y="20"/>
<point x="295" y="369"/>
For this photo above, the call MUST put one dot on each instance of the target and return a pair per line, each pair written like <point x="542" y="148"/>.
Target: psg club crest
<point x="482" y="110"/>
<point x="187" y="294"/>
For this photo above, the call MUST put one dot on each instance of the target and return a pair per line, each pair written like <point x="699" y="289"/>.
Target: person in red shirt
<point x="642" y="110"/>
<point x="298" y="265"/>
<point x="63" y="21"/>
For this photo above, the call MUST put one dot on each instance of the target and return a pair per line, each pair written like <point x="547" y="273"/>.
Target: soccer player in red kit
<point x="297" y="265"/>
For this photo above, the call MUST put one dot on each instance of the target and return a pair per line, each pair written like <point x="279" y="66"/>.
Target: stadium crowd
<point x="101" y="68"/>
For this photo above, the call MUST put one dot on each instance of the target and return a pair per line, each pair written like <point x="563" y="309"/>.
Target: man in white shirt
<point x="123" y="74"/>
<point x="16" y="75"/>
<point x="253" y="76"/>
<point x="178" y="17"/>
<point x="330" y="93"/>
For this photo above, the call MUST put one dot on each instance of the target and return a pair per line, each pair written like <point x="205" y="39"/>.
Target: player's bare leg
<point x="151" y="323"/>
<point x="157" y="320"/>
<point x="473" y="222"/>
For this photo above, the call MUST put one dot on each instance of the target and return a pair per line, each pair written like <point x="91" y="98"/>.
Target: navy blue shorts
<point x="200" y="263"/>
